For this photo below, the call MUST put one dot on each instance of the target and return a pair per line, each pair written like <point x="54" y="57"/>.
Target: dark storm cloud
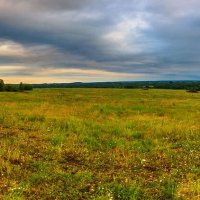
<point x="47" y="4"/>
<point x="152" y="37"/>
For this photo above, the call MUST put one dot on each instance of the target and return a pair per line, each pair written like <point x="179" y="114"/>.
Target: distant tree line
<point x="14" y="87"/>
<point x="186" y="85"/>
<point x="190" y="86"/>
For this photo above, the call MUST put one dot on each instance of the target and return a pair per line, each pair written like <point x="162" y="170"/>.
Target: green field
<point x="102" y="144"/>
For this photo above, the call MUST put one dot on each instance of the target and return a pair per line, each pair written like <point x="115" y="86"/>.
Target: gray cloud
<point x="153" y="38"/>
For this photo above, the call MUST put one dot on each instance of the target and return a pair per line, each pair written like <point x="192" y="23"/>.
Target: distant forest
<point x="14" y="87"/>
<point x="186" y="85"/>
<point x="193" y="86"/>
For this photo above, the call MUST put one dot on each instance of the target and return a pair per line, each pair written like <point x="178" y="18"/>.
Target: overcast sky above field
<point x="99" y="40"/>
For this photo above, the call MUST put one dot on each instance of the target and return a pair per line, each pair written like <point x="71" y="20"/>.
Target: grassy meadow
<point x="102" y="144"/>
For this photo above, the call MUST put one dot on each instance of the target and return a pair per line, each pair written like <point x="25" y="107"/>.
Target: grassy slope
<point x="99" y="144"/>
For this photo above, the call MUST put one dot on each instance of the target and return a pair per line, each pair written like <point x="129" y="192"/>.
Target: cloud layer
<point x="90" y="40"/>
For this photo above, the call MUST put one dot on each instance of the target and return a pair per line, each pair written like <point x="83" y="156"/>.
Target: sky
<point x="46" y="41"/>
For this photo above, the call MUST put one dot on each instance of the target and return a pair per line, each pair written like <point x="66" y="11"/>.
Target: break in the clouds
<point x="104" y="40"/>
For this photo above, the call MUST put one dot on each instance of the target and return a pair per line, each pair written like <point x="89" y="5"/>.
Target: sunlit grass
<point x="99" y="144"/>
